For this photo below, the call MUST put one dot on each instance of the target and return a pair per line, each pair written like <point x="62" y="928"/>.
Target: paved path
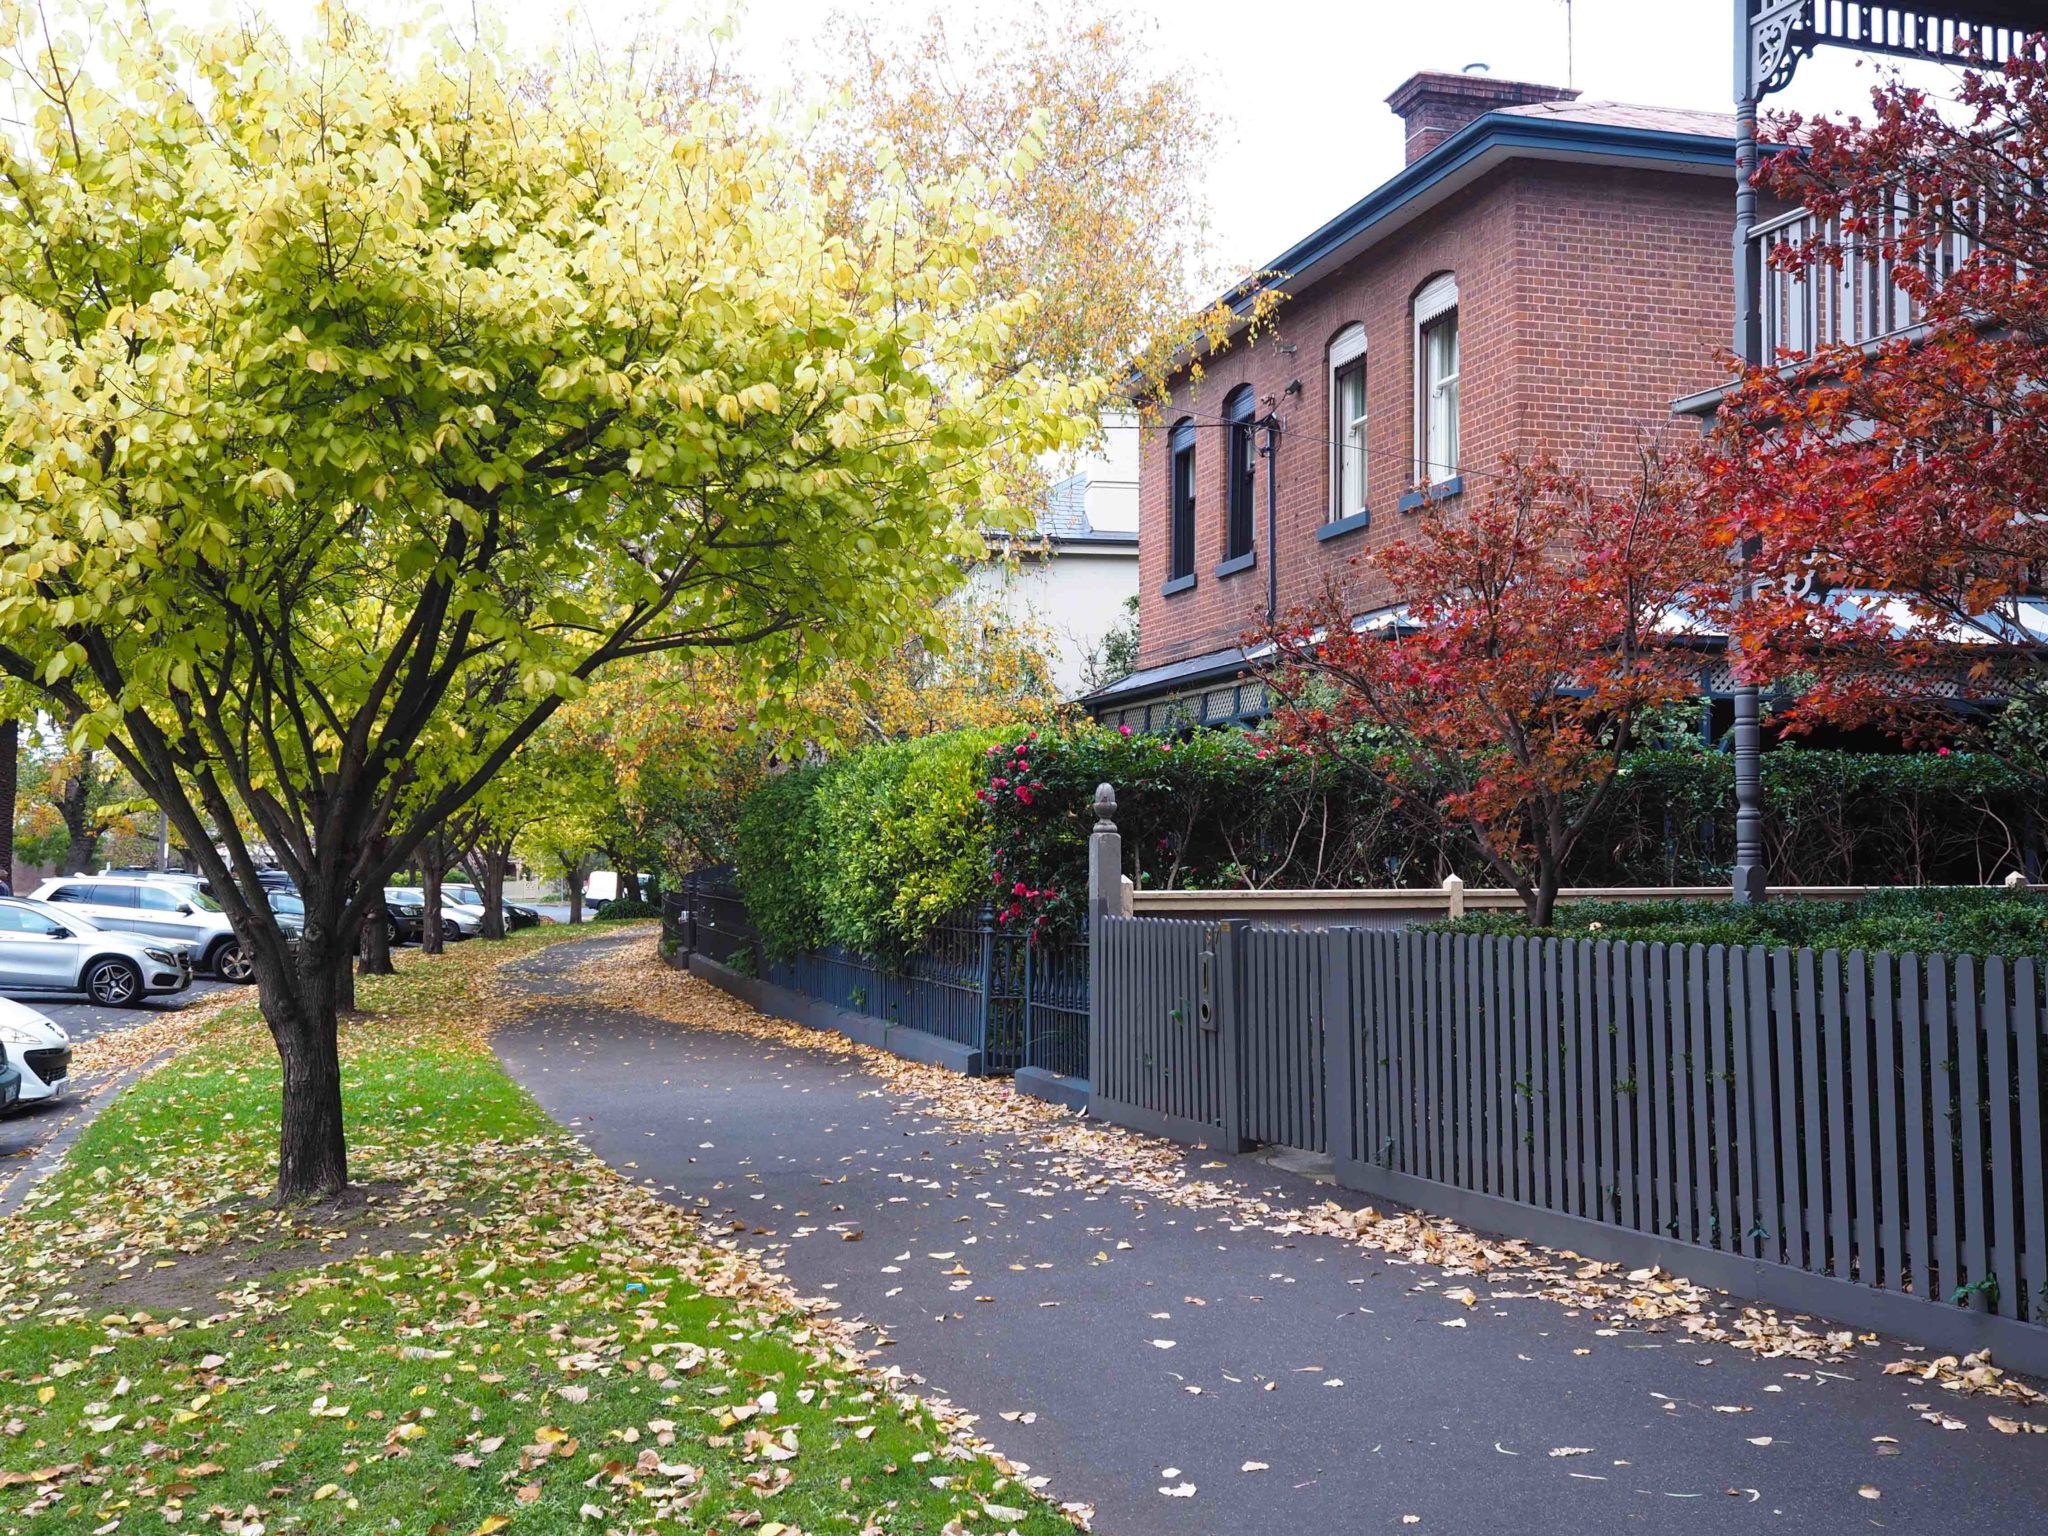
<point x="1455" y="1426"/>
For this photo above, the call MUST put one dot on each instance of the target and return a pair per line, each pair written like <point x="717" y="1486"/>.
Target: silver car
<point x="157" y="909"/>
<point x="55" y="949"/>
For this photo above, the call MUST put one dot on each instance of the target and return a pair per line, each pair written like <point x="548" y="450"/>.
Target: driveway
<point x="1193" y="1371"/>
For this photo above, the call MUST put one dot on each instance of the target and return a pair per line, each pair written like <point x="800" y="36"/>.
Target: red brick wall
<point x="1589" y="299"/>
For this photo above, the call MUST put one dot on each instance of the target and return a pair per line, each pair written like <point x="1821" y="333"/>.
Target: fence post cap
<point x="2015" y="880"/>
<point x="1105" y="808"/>
<point x="1453" y="883"/>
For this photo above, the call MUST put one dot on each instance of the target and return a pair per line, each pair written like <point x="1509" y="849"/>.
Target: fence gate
<point x="1280" y="1042"/>
<point x="1162" y="1065"/>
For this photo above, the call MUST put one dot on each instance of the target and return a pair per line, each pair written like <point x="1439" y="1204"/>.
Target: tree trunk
<point x="10" y="759"/>
<point x="374" y="952"/>
<point x="572" y="878"/>
<point x="430" y="920"/>
<point x="299" y="1004"/>
<point x="73" y="806"/>
<point x="629" y="885"/>
<point x="491" y="866"/>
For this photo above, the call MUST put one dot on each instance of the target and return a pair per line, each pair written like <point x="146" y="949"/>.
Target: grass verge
<point x="490" y="1332"/>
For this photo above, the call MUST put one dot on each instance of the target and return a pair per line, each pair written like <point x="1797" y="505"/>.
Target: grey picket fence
<point x="1855" y="1134"/>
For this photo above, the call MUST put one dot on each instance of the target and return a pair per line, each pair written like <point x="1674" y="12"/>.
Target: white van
<point x="599" y="887"/>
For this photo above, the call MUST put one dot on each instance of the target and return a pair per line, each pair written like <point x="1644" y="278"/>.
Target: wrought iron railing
<point x="1019" y="1000"/>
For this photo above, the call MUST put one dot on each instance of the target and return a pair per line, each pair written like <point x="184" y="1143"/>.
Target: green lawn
<point x="502" y="1336"/>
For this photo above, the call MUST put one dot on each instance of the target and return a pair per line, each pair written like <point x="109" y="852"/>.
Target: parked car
<point x="61" y="949"/>
<point x="10" y="1082"/>
<point x="599" y="887"/>
<point x="159" y="909"/>
<point x="38" y="1047"/>
<point x="470" y="899"/>
<point x="408" y="907"/>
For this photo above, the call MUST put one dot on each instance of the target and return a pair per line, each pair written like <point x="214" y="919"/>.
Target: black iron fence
<point x="1019" y="1000"/>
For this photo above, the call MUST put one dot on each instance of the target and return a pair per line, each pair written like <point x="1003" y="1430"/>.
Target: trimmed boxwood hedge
<point x="1971" y="920"/>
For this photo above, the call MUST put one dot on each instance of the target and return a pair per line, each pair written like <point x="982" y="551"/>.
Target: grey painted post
<point x="1227" y="998"/>
<point x="985" y="920"/>
<point x="1105" y="869"/>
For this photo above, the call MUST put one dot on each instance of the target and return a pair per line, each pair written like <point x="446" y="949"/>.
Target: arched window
<point x="1238" y="408"/>
<point x="1436" y="380"/>
<point x="1347" y="423"/>
<point x="1180" y="500"/>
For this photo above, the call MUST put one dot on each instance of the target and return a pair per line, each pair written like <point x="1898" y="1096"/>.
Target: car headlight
<point x="161" y="956"/>
<point x="21" y="1034"/>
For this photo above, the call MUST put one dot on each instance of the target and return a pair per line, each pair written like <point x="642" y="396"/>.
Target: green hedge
<point x="869" y="851"/>
<point x="1951" y="919"/>
<point x="625" y="909"/>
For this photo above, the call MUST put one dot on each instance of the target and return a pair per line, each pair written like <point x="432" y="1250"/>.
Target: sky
<point x="1302" y="87"/>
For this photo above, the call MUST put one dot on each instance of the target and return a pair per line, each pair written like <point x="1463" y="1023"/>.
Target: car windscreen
<point x="290" y="906"/>
<point x="64" y="917"/>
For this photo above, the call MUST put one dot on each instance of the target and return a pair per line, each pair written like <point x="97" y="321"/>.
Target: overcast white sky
<point x="1303" y="86"/>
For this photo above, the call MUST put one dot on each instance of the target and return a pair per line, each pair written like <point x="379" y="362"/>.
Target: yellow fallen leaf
<point x="491" y="1523"/>
<point x="326" y="1491"/>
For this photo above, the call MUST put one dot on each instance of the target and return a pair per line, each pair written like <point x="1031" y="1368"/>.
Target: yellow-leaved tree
<point x="366" y="396"/>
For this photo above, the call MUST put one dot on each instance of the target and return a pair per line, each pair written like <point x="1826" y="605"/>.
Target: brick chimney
<point x="1434" y="106"/>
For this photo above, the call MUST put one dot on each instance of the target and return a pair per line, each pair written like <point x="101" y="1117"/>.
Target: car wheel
<point x="113" y="984"/>
<point x="392" y="935"/>
<point x="233" y="962"/>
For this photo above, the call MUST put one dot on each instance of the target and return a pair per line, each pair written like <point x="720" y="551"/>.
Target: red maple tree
<point x="1895" y="496"/>
<point x="1523" y="642"/>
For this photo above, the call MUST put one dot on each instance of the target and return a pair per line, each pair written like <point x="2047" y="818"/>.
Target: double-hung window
<point x="1436" y="373"/>
<point x="1239" y="407"/>
<point x="1347" y="423"/>
<point x="1181" y="501"/>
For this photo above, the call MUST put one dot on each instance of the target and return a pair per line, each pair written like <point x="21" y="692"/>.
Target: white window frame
<point x="1437" y="299"/>
<point x="1349" y="348"/>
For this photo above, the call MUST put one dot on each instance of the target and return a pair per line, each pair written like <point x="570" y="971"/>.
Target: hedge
<point x="1974" y="920"/>
<point x="872" y="849"/>
<point x="868" y="852"/>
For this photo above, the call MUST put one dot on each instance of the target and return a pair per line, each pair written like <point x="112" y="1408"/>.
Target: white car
<point x="39" y="1050"/>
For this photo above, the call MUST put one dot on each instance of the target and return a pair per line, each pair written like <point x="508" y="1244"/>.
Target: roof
<point x="1605" y="133"/>
<point x="1063" y="522"/>
<point x="1622" y="114"/>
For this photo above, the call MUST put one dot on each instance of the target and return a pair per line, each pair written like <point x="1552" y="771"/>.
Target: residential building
<point x="1073" y="575"/>
<point x="1545" y="275"/>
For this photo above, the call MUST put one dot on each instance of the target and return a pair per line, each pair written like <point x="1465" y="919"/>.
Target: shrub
<point x="1974" y="920"/>
<point x="625" y="909"/>
<point x="777" y="860"/>
<point x="900" y="843"/>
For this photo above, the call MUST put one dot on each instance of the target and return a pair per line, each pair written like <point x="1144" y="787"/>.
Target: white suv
<point x="183" y="914"/>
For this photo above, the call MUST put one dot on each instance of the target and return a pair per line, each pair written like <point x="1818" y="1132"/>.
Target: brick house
<point x="1544" y="275"/>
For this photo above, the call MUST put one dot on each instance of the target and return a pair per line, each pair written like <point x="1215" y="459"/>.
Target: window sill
<point x="1428" y="495"/>
<point x="1178" y="584"/>
<point x="1351" y="522"/>
<point x="1243" y="562"/>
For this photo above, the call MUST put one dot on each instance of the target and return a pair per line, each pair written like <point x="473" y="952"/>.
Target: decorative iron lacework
<point x="1782" y="32"/>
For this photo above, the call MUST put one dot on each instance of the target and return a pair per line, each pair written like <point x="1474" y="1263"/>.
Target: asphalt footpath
<point x="1182" y="1373"/>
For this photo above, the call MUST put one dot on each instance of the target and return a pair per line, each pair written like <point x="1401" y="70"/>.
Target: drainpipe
<point x="1749" y="819"/>
<point x="1270" y="452"/>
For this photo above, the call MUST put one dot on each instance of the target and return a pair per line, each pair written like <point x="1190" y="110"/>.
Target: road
<point x="24" y="1131"/>
<point x="1187" y="1371"/>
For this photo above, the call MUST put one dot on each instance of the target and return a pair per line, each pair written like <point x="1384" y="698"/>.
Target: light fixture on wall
<point x="1293" y="386"/>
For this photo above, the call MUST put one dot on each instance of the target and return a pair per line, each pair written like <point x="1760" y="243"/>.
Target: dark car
<point x="10" y="1081"/>
<point x="516" y="916"/>
<point x="405" y="917"/>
